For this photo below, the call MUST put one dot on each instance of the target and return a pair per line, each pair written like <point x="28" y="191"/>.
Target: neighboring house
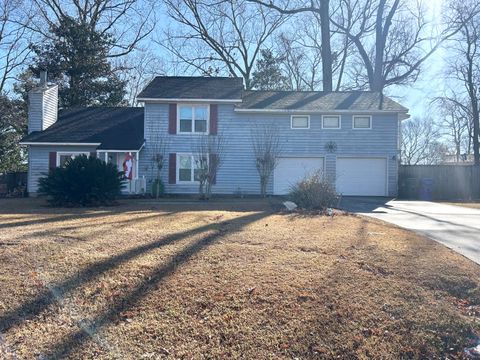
<point x="352" y="137"/>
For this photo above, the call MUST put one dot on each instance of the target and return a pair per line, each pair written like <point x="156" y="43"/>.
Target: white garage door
<point x="362" y="176"/>
<point x="290" y="170"/>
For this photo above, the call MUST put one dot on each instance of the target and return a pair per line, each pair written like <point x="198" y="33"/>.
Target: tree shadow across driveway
<point x="362" y="204"/>
<point x="211" y="233"/>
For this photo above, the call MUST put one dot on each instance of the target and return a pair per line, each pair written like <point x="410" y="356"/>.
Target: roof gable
<point x="193" y="88"/>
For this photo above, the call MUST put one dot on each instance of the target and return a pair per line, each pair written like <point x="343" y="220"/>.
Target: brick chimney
<point x="42" y="105"/>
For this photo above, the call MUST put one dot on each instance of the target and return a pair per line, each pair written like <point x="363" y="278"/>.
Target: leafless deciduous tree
<point x="420" y="143"/>
<point x="139" y="68"/>
<point x="456" y="123"/>
<point x="209" y="151"/>
<point x="266" y="149"/>
<point x="129" y="21"/>
<point x="14" y="39"/>
<point x="392" y="39"/>
<point x="321" y="11"/>
<point x="159" y="158"/>
<point x="220" y="37"/>
<point x="465" y="63"/>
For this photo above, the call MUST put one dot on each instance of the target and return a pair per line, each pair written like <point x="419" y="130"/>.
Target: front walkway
<point x="454" y="226"/>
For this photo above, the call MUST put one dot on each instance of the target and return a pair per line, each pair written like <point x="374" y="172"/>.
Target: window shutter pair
<point x="172" y="119"/>
<point x="172" y="168"/>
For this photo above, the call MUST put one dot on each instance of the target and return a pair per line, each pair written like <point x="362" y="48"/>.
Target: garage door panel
<point x="289" y="170"/>
<point x="361" y="176"/>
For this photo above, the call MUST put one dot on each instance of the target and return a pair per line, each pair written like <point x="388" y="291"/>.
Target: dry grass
<point x="149" y="281"/>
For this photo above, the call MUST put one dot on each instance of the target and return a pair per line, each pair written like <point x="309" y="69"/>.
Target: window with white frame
<point x="188" y="167"/>
<point x="63" y="157"/>
<point x="362" y="122"/>
<point x="300" y="122"/>
<point x="193" y="119"/>
<point x="331" y="122"/>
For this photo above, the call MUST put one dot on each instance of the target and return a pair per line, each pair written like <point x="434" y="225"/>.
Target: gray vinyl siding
<point x="238" y="172"/>
<point x="38" y="161"/>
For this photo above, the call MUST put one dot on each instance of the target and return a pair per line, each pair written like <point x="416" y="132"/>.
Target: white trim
<point x="339" y="122"/>
<point x="117" y="151"/>
<point x="299" y="128"/>
<point x="295" y="111"/>
<point x="59" y="144"/>
<point x="60" y="153"/>
<point x="386" y="158"/>
<point x="179" y="100"/>
<point x="192" y="172"/>
<point x="193" y="120"/>
<point x="361" y="128"/>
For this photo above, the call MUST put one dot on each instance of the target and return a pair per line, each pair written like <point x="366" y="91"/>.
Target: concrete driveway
<point x="454" y="226"/>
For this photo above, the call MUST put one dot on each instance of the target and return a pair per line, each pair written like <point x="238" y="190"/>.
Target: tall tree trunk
<point x="472" y="93"/>
<point x="327" y="60"/>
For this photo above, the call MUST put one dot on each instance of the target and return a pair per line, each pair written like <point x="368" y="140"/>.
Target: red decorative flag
<point x="128" y="166"/>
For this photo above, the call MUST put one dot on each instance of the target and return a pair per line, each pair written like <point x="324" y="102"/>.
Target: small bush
<point x="313" y="193"/>
<point x="84" y="181"/>
<point x="158" y="189"/>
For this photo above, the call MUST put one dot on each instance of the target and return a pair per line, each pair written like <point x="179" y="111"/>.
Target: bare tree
<point x="159" y="158"/>
<point x="456" y="124"/>
<point x="266" y="149"/>
<point x="129" y="21"/>
<point x="420" y="143"/>
<point x="209" y="152"/>
<point x="403" y="39"/>
<point x="139" y="68"/>
<point x="14" y="39"/>
<point x="321" y="10"/>
<point x="465" y="65"/>
<point x="220" y="37"/>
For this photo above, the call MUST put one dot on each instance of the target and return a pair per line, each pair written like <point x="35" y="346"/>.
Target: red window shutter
<point x="213" y="158"/>
<point x="172" y="118"/>
<point x="172" y="168"/>
<point x="213" y="119"/>
<point x="52" y="160"/>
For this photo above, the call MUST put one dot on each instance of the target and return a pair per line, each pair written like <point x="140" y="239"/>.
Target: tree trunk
<point x="327" y="60"/>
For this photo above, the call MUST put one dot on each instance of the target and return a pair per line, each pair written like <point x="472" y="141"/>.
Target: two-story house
<point x="352" y="137"/>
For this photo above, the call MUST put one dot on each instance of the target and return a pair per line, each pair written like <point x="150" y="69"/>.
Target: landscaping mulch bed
<point x="226" y="279"/>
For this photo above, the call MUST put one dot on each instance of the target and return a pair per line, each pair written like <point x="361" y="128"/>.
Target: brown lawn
<point x="195" y="280"/>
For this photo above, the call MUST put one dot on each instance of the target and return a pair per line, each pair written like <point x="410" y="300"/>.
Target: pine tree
<point x="76" y="59"/>
<point x="268" y="74"/>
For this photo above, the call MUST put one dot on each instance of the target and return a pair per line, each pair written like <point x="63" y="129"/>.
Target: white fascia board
<point x="161" y="100"/>
<point x="294" y="111"/>
<point x="59" y="144"/>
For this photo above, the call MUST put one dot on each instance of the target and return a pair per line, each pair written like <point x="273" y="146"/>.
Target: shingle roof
<point x="115" y="128"/>
<point x="188" y="87"/>
<point x="319" y="101"/>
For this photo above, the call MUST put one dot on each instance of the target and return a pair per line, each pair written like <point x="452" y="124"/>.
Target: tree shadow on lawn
<point x="56" y="231"/>
<point x="35" y="306"/>
<point x="370" y="289"/>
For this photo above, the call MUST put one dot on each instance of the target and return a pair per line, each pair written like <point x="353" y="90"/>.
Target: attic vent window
<point x="362" y="122"/>
<point x="300" y="122"/>
<point x="331" y="122"/>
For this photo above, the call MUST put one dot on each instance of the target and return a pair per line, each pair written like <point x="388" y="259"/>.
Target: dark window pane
<point x="185" y="175"/>
<point x="200" y="125"/>
<point x="196" y="174"/>
<point x="185" y="125"/>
